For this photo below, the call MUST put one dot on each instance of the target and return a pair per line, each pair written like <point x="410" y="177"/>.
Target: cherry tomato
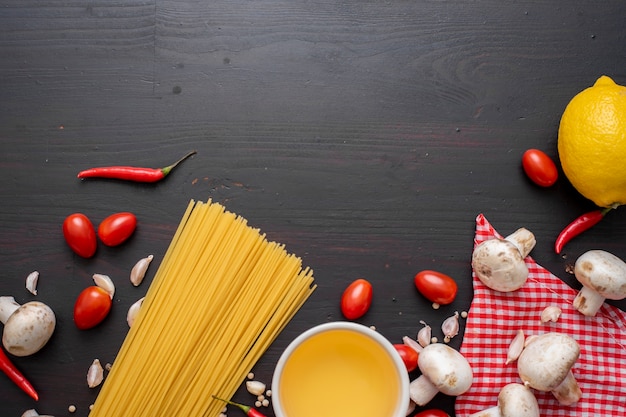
<point x="356" y="299"/>
<point x="409" y="356"/>
<point x="432" y="413"/>
<point x="92" y="306"/>
<point x="115" y="229"/>
<point x="436" y="287"/>
<point x="539" y="168"/>
<point x="80" y="235"/>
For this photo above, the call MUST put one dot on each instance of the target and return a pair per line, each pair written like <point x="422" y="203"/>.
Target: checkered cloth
<point x="494" y="319"/>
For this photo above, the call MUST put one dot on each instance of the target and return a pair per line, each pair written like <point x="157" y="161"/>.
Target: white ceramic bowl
<point x="297" y="381"/>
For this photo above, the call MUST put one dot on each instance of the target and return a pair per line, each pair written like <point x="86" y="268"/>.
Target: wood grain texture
<point x="365" y="135"/>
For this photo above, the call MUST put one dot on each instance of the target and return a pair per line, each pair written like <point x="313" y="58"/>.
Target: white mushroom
<point x="499" y="263"/>
<point x="603" y="276"/>
<point x="27" y="328"/>
<point x="514" y="400"/>
<point x="444" y="370"/>
<point x="545" y="365"/>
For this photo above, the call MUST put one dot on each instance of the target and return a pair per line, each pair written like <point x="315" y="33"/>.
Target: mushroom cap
<point x="28" y="329"/>
<point x="517" y="400"/>
<point x="547" y="360"/>
<point x="499" y="265"/>
<point x="446" y="369"/>
<point x="602" y="272"/>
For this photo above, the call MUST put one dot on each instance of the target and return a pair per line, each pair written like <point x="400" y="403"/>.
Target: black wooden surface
<point x="365" y="135"/>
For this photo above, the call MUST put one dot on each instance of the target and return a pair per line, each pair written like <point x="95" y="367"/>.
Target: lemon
<point x="592" y="143"/>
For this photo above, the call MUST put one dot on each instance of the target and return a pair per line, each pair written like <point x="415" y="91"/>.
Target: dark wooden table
<point x="365" y="135"/>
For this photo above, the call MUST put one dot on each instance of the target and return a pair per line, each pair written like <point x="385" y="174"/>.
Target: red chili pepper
<point x="129" y="173"/>
<point x="16" y="376"/>
<point x="579" y="225"/>
<point x="246" y="409"/>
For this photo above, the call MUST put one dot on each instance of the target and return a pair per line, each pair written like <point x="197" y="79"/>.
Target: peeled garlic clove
<point x="515" y="348"/>
<point x="424" y="335"/>
<point x="105" y="282"/>
<point x="255" y="387"/>
<point x="139" y="270"/>
<point x="31" y="282"/>
<point x="450" y="327"/>
<point x="30" y="413"/>
<point x="133" y="311"/>
<point x="550" y="313"/>
<point x="95" y="375"/>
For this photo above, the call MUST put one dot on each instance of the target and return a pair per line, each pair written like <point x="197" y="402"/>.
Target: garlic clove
<point x="133" y="311"/>
<point x="550" y="313"/>
<point x="30" y="413"/>
<point x="450" y="327"/>
<point x="95" y="375"/>
<point x="104" y="282"/>
<point x="255" y="387"/>
<point x="412" y="344"/>
<point x="424" y="335"/>
<point x="139" y="270"/>
<point x="515" y="348"/>
<point x="530" y="339"/>
<point x="31" y="282"/>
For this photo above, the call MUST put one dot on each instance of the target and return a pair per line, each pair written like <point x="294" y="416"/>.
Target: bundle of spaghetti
<point x="220" y="297"/>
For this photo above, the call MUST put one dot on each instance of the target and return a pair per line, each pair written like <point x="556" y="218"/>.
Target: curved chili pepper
<point x="251" y="412"/>
<point x="16" y="376"/>
<point x="579" y="225"/>
<point x="129" y="173"/>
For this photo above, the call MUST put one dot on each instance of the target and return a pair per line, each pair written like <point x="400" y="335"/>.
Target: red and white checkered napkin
<point x="494" y="319"/>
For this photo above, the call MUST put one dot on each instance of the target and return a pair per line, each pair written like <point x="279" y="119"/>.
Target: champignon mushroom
<point x="499" y="263"/>
<point x="444" y="370"/>
<point x="545" y="365"/>
<point x="27" y="328"/>
<point x="603" y="276"/>
<point x="514" y="400"/>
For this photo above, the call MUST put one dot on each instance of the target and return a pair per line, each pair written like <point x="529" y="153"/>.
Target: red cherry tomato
<point x="409" y="356"/>
<point x="115" y="229"/>
<point x="356" y="299"/>
<point x="436" y="287"/>
<point x="80" y="235"/>
<point x="92" y="306"/>
<point x="539" y="168"/>
<point x="432" y="413"/>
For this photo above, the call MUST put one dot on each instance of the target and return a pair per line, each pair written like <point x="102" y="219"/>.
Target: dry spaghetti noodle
<point x="219" y="298"/>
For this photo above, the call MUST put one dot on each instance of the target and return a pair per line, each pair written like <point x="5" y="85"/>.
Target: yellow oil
<point x="339" y="373"/>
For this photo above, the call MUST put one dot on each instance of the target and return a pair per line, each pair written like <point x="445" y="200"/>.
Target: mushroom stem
<point x="523" y="240"/>
<point x="8" y="305"/>
<point x="588" y="302"/>
<point x="568" y="392"/>
<point x="422" y="391"/>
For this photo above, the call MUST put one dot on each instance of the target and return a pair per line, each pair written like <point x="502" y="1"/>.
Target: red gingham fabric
<point x="494" y="319"/>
